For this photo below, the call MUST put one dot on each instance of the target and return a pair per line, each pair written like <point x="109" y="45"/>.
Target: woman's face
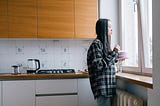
<point x="109" y="30"/>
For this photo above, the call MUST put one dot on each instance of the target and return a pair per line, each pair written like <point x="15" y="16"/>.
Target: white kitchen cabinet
<point x="60" y="92"/>
<point x="85" y="96"/>
<point x="18" y="93"/>
<point x="0" y="93"/>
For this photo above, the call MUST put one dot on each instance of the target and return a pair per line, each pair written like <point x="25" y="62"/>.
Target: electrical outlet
<point x="66" y="50"/>
<point x="43" y="47"/>
<point x="85" y="50"/>
<point x="42" y="65"/>
<point x="65" y="64"/>
<point x="43" y="50"/>
<point x="20" y="50"/>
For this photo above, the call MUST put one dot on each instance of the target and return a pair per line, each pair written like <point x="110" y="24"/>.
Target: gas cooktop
<point x="56" y="71"/>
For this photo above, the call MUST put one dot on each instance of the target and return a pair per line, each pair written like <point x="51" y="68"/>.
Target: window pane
<point x="147" y="37"/>
<point x="130" y="32"/>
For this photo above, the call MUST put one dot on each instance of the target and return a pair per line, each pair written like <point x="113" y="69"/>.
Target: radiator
<point x="124" y="98"/>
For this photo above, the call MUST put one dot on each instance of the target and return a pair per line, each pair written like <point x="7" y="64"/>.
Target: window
<point x="136" y="34"/>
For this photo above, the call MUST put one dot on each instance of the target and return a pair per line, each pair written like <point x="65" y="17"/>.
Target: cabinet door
<point x="55" y="18"/>
<point x="3" y="19"/>
<point x="22" y="18"/>
<point x="18" y="93"/>
<point x="86" y="14"/>
<point x="85" y="96"/>
<point x="56" y="86"/>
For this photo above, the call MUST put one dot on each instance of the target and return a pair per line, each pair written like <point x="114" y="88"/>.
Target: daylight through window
<point x="136" y="39"/>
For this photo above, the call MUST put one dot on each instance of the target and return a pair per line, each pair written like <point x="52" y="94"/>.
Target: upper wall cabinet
<point x="55" y="18"/>
<point x="3" y="19"/>
<point x="22" y="18"/>
<point x="48" y="18"/>
<point x="86" y="15"/>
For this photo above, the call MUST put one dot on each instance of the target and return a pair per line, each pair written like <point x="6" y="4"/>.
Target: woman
<point x="100" y="61"/>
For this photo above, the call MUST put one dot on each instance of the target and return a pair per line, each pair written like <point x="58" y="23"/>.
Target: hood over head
<point x="102" y="34"/>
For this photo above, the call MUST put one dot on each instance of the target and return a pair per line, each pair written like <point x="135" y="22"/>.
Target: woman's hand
<point x="116" y="48"/>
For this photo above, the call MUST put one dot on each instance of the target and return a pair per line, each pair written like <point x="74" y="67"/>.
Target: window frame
<point x="141" y="62"/>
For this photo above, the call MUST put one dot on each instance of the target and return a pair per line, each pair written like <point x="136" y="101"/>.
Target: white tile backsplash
<point x="63" y="53"/>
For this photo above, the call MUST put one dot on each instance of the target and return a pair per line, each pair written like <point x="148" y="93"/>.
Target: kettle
<point x="33" y="65"/>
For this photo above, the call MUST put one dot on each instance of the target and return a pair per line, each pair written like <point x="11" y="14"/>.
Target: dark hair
<point x="102" y="34"/>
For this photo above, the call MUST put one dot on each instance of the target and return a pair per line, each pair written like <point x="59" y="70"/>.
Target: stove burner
<point x="56" y="71"/>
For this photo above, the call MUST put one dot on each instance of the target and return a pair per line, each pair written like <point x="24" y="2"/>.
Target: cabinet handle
<point x="56" y="94"/>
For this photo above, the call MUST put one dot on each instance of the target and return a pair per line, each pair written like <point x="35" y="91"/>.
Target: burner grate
<point x="55" y="71"/>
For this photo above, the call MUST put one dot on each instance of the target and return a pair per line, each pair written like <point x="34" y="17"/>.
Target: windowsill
<point x="136" y="79"/>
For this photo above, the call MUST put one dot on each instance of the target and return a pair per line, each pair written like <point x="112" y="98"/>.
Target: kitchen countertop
<point x="10" y="76"/>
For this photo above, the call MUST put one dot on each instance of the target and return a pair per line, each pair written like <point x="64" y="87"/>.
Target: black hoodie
<point x="102" y="35"/>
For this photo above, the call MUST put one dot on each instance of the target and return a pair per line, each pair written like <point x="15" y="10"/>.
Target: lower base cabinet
<point x="18" y="93"/>
<point x="53" y="92"/>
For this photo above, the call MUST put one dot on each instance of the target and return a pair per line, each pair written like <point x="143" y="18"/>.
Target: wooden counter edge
<point x="41" y="76"/>
<point x="136" y="79"/>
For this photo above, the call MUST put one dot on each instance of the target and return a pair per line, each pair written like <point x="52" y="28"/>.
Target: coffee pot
<point x="33" y="65"/>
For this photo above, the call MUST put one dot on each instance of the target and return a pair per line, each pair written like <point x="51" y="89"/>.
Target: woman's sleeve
<point x="111" y="58"/>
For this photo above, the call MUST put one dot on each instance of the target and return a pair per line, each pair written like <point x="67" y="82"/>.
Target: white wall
<point x="109" y="9"/>
<point x="154" y="95"/>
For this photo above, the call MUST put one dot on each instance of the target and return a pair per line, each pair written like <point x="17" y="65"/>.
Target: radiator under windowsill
<point x="145" y="81"/>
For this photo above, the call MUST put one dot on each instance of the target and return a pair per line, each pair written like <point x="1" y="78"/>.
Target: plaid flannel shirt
<point x="101" y="70"/>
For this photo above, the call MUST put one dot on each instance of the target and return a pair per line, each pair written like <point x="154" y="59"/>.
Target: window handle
<point x="135" y="5"/>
